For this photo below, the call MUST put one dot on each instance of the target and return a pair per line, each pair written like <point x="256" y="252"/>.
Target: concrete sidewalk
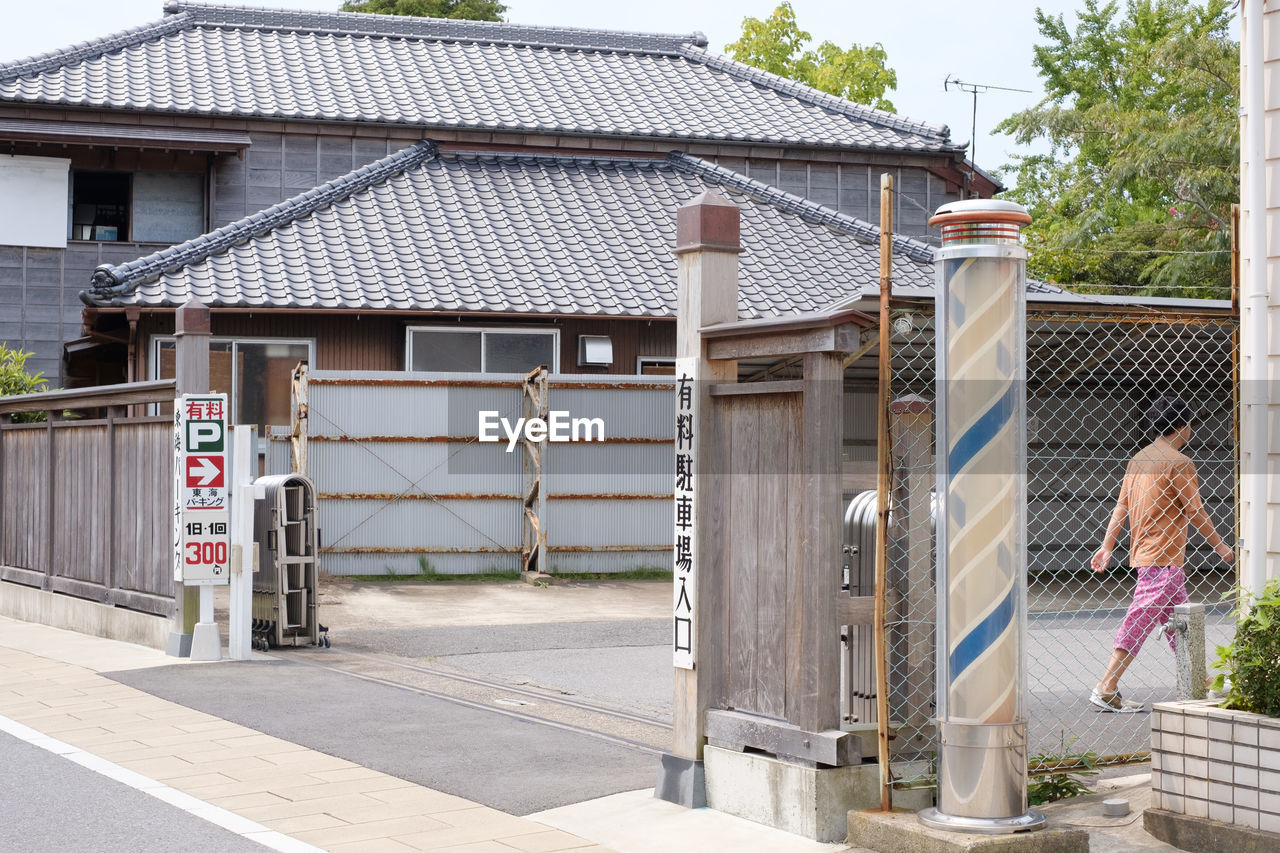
<point x="291" y="798"/>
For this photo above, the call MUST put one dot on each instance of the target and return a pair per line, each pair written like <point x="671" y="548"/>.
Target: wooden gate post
<point x="191" y="368"/>
<point x="707" y="247"/>
<point x="814" y="608"/>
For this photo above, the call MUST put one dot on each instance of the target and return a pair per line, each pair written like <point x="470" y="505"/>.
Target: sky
<point x="986" y="42"/>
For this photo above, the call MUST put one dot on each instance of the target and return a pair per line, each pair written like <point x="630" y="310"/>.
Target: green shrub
<point x="1250" y="663"/>
<point x="15" y="380"/>
<point x="1059" y="776"/>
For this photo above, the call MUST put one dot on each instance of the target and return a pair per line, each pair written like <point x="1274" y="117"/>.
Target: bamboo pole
<point x="882" y="490"/>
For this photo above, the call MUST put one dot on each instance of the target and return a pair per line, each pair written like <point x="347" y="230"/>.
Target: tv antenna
<point x="974" y="89"/>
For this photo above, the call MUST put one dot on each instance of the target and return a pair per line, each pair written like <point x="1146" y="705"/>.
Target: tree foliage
<point x="777" y="45"/>
<point x="475" y="10"/>
<point x="14" y="380"/>
<point x="1141" y="114"/>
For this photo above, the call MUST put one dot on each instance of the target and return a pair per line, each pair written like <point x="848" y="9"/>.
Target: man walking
<point x="1160" y="495"/>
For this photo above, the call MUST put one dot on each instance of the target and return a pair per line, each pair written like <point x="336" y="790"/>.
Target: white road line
<point x="229" y="821"/>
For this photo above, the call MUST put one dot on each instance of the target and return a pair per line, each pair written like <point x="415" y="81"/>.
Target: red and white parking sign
<point x="202" y="502"/>
<point x="206" y="472"/>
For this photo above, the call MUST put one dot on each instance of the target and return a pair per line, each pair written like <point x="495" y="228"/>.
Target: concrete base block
<point x="178" y="645"/>
<point x="206" y="642"/>
<point x="1201" y="835"/>
<point x="681" y="781"/>
<point x="809" y="801"/>
<point x="29" y="604"/>
<point x="902" y="832"/>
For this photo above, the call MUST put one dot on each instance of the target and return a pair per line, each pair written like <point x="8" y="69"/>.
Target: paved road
<point x="1066" y="655"/>
<point x="94" y="814"/>
<point x="475" y="748"/>
<point x="525" y="717"/>
<point x="627" y="664"/>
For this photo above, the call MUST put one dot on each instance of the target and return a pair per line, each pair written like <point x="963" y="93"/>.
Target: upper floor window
<point x="142" y="207"/>
<point x="472" y="350"/>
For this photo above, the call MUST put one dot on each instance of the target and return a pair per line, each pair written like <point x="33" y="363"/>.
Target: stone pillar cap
<point x="708" y="221"/>
<point x="192" y="317"/>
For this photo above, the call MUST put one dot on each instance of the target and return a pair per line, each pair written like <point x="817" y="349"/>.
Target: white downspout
<point x="1254" y="393"/>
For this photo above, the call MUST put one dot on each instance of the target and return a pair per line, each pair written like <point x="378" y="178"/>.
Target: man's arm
<point x="1102" y="558"/>
<point x="1189" y="493"/>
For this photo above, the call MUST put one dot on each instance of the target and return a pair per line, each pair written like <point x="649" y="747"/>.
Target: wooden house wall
<point x="376" y="341"/>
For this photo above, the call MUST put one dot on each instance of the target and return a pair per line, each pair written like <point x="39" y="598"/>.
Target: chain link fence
<point x="1091" y="377"/>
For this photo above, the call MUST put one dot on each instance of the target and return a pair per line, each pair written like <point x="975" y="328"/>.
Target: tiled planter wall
<point x="1213" y="763"/>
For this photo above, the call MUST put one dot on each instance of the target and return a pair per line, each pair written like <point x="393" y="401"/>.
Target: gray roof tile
<point x="233" y="61"/>
<point x="513" y="233"/>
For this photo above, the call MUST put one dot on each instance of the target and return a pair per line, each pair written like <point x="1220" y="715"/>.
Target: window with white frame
<point x="254" y="373"/>
<point x="481" y="350"/>
<point x="656" y="365"/>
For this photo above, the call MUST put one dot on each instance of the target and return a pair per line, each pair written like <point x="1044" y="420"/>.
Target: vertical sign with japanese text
<point x="686" y="517"/>
<point x="202" y="505"/>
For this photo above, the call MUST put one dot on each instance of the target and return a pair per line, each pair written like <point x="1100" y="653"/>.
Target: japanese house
<point x="201" y="131"/>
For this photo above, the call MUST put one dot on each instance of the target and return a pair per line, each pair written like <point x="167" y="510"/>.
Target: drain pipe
<point x="1253" y="570"/>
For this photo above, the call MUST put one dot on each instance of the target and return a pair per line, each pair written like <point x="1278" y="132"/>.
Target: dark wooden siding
<point x="631" y="339"/>
<point x="376" y="341"/>
<point x="854" y="188"/>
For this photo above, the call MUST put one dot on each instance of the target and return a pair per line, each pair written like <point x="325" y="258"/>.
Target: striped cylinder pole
<point x="981" y="466"/>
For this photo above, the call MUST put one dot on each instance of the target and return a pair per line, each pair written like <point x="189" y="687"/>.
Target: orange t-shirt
<point x="1161" y="493"/>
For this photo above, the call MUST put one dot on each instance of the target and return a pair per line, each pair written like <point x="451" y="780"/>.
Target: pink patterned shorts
<point x="1158" y="589"/>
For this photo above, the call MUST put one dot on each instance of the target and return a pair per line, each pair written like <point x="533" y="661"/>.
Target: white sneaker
<point x="1115" y="703"/>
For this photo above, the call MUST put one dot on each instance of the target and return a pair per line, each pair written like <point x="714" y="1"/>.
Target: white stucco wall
<point x="1260" y="196"/>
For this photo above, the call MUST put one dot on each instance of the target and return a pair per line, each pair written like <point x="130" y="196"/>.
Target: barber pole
<point x="981" y="487"/>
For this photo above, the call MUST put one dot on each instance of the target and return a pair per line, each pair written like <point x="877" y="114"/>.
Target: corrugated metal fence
<point x="406" y="486"/>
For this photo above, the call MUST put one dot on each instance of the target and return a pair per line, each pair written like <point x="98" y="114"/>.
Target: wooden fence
<point x="86" y="502"/>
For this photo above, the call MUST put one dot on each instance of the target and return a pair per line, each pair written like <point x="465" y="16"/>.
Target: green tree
<point x="777" y="45"/>
<point x="474" y="10"/>
<point x="1141" y="115"/>
<point x="14" y="380"/>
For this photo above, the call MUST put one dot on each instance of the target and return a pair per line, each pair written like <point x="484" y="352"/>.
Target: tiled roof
<point x="433" y="73"/>
<point x="530" y="234"/>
